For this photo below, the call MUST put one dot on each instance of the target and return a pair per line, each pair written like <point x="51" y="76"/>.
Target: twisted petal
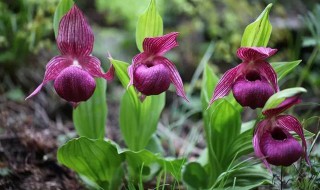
<point x="286" y="104"/>
<point x="75" y="36"/>
<point x="248" y="54"/>
<point x="267" y="70"/>
<point x="53" y="69"/>
<point x="174" y="76"/>
<point x="225" y="83"/>
<point x="261" y="127"/>
<point x="292" y="124"/>
<point x="160" y="45"/>
<point x="93" y="66"/>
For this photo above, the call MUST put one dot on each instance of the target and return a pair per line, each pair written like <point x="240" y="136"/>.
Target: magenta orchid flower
<point x="151" y="73"/>
<point x="273" y="142"/>
<point x="252" y="82"/>
<point x="74" y="70"/>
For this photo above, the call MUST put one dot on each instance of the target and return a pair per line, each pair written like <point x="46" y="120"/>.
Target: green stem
<point x="308" y="65"/>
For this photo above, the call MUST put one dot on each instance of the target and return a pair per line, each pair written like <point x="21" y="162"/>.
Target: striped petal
<point x="292" y="124"/>
<point x="174" y="76"/>
<point x="93" y="66"/>
<point x="267" y="70"/>
<point x="225" y="83"/>
<point x="248" y="54"/>
<point x="53" y="69"/>
<point x="75" y="37"/>
<point x="160" y="45"/>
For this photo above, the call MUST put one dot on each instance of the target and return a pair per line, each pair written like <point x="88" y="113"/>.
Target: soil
<point x="28" y="144"/>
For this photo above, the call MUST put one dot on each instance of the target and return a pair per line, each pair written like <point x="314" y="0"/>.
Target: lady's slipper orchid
<point x="252" y="82"/>
<point x="272" y="141"/>
<point x="151" y="73"/>
<point x="74" y="70"/>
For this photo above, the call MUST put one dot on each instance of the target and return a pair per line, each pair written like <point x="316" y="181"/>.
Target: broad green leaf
<point x="138" y="120"/>
<point x="98" y="160"/>
<point x="194" y="176"/>
<point x="89" y="117"/>
<point x="149" y="24"/>
<point x="225" y="126"/>
<point x="283" y="68"/>
<point x="258" y="33"/>
<point x="146" y="159"/>
<point x="279" y="97"/>
<point x="63" y="7"/>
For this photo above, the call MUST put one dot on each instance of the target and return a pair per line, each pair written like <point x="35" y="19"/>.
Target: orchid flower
<point x="151" y="73"/>
<point x="273" y="142"/>
<point x="74" y="70"/>
<point x="252" y="82"/>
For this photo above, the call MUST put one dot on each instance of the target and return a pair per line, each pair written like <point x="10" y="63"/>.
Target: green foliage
<point x="195" y="176"/>
<point x="258" y="32"/>
<point x="226" y="140"/>
<point x="145" y="161"/>
<point x="98" y="160"/>
<point x="90" y="116"/>
<point x="279" y="97"/>
<point x="283" y="68"/>
<point x="24" y="24"/>
<point x="138" y="120"/>
<point x="63" y="7"/>
<point x="149" y="24"/>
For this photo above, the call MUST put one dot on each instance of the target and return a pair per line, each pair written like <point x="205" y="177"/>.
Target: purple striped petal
<point x="75" y="37"/>
<point x="286" y="104"/>
<point x="174" y="76"/>
<point x="53" y="69"/>
<point x="248" y="54"/>
<point x="225" y="83"/>
<point x="292" y="124"/>
<point x="160" y="45"/>
<point x="267" y="70"/>
<point x="93" y="66"/>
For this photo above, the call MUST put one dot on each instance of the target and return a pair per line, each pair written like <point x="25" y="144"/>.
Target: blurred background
<point x="31" y="131"/>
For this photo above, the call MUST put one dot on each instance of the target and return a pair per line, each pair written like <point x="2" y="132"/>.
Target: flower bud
<point x="74" y="84"/>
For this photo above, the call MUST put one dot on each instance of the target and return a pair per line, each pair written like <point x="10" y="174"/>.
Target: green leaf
<point x="258" y="33"/>
<point x="146" y="159"/>
<point x="98" y="160"/>
<point x="90" y="117"/>
<point x="63" y="7"/>
<point x="279" y="97"/>
<point x="194" y="176"/>
<point x="225" y="126"/>
<point x="246" y="174"/>
<point x="138" y="120"/>
<point x="283" y="68"/>
<point x="149" y="25"/>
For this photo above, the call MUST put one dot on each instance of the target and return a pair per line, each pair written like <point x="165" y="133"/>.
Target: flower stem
<point x="281" y="177"/>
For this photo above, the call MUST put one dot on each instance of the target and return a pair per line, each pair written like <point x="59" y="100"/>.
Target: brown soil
<point x="28" y="146"/>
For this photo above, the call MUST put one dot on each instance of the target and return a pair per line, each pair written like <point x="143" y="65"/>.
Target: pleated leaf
<point x="194" y="176"/>
<point x="149" y="24"/>
<point x="98" y="160"/>
<point x="258" y="33"/>
<point x="89" y="117"/>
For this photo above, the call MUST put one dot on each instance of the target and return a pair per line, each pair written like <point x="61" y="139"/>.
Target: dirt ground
<point x="28" y="143"/>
